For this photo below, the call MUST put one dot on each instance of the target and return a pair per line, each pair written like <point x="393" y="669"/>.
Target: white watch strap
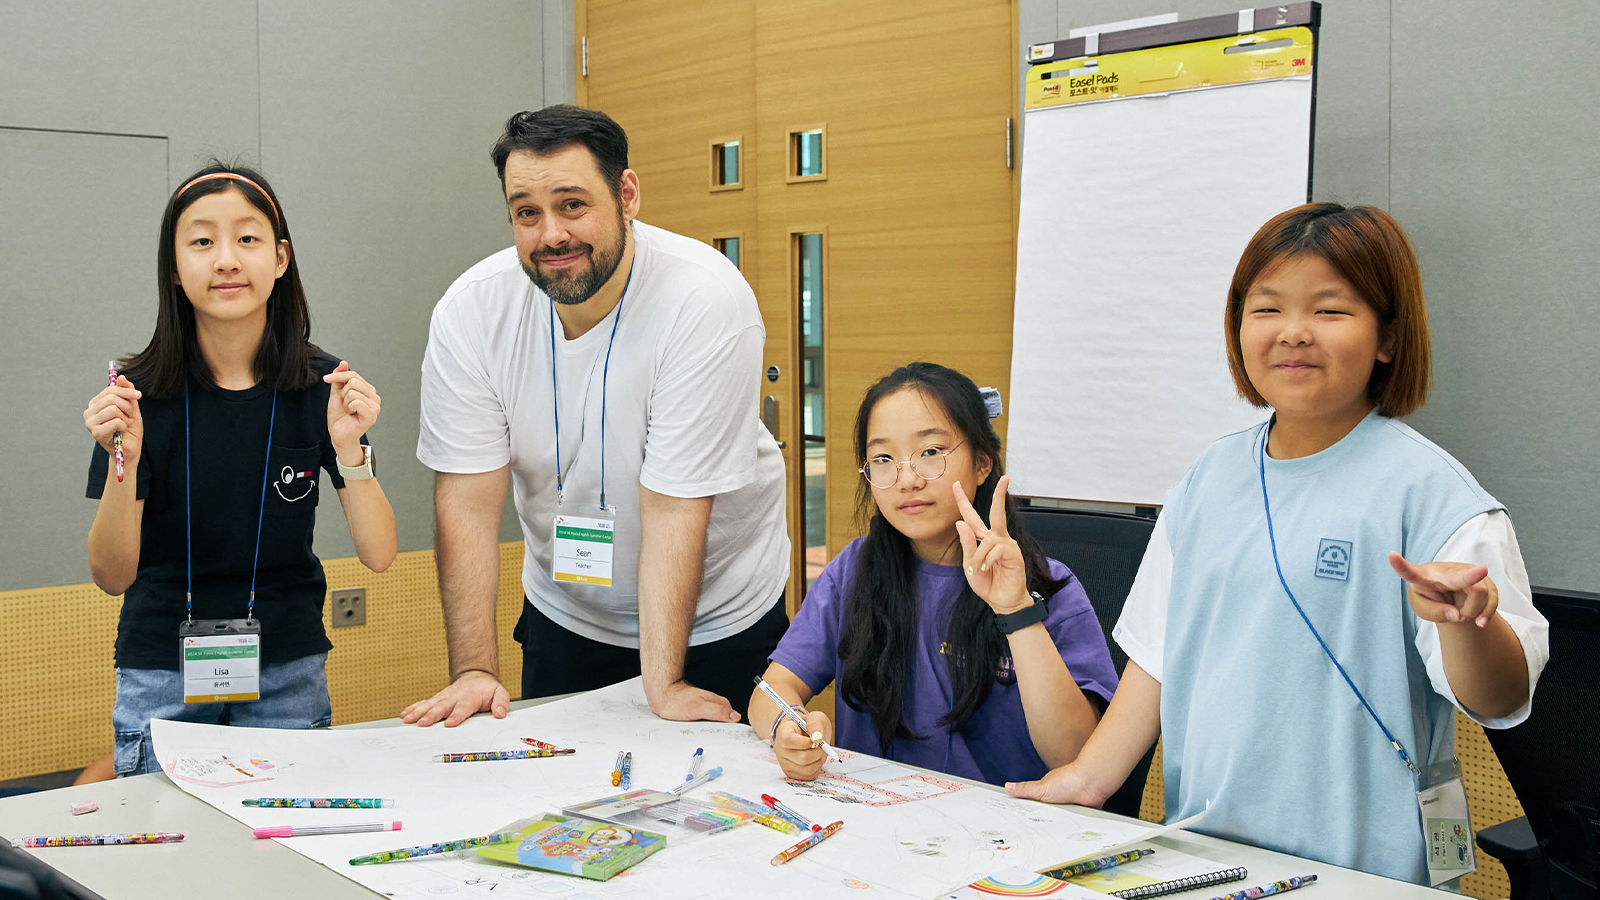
<point x="361" y="472"/>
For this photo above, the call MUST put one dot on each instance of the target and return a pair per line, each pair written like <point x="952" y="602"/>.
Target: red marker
<point x="783" y="810"/>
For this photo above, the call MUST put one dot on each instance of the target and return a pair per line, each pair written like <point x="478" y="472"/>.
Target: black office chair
<point x="24" y="876"/>
<point x="1553" y="762"/>
<point x="1103" y="550"/>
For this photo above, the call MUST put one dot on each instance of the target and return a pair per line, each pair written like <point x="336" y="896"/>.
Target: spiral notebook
<point x="1163" y="872"/>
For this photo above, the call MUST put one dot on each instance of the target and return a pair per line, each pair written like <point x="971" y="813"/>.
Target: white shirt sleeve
<point x="701" y="439"/>
<point x="1141" y="630"/>
<point x="464" y="428"/>
<point x="1488" y="539"/>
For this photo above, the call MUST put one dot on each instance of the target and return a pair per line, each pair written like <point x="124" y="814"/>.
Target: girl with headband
<point x="223" y="422"/>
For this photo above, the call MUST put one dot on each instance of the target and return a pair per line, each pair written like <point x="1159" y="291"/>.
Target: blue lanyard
<point x="555" y="400"/>
<point x="188" y="508"/>
<point x="1261" y="465"/>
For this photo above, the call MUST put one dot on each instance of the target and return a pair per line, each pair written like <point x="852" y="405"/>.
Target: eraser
<point x="84" y="806"/>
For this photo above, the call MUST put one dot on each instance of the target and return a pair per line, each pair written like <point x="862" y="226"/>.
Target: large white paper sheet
<point x="1134" y="214"/>
<point x="906" y="834"/>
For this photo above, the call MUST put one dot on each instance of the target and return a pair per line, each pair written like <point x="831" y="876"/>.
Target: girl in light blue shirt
<point x="1407" y="569"/>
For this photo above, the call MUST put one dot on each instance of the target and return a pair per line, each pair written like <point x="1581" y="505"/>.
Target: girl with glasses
<point x="956" y="645"/>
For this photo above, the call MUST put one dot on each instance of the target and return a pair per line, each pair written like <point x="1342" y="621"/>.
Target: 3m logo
<point x="1299" y="62"/>
<point x="1333" y="559"/>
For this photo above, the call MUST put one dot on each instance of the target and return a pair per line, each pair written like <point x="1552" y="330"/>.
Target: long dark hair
<point x="173" y="354"/>
<point x="881" y="615"/>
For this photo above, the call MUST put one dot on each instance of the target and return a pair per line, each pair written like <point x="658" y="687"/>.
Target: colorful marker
<point x="698" y="780"/>
<point x="318" y="803"/>
<point x="810" y="840"/>
<point x="627" y="770"/>
<point x="760" y="813"/>
<point x="116" y="436"/>
<point x="711" y="820"/>
<point x="432" y="849"/>
<point x="1277" y="887"/>
<point x="616" y="770"/>
<point x="283" y="831"/>
<point x="1095" y="865"/>
<point x="783" y="809"/>
<point x="694" y="763"/>
<point x="97" y="840"/>
<point x="816" y="736"/>
<point x="488" y="755"/>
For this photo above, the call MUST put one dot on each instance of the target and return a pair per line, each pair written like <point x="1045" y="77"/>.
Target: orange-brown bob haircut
<point x="1367" y="247"/>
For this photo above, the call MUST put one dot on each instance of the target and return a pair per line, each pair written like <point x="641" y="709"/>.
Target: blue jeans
<point x="294" y="694"/>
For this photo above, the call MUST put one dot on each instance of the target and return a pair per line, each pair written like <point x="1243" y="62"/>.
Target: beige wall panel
<point x="57" y="681"/>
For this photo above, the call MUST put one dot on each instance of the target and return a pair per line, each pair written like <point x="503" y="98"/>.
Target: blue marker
<point x="698" y="780"/>
<point x="694" y="763"/>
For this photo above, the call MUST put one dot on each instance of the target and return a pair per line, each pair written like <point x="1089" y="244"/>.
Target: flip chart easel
<point x="1150" y="156"/>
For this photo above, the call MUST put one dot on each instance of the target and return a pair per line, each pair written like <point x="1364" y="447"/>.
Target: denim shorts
<point x="294" y="694"/>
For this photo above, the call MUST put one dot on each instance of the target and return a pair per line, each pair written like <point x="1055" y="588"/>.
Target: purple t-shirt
<point x="995" y="747"/>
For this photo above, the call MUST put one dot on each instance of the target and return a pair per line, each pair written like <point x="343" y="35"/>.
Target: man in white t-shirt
<point x="608" y="372"/>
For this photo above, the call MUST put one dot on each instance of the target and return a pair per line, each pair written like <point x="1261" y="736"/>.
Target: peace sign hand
<point x="1448" y="591"/>
<point x="993" y="561"/>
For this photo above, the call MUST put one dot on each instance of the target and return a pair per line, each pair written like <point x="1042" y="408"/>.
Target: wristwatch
<point x="1022" y="618"/>
<point x="367" y="469"/>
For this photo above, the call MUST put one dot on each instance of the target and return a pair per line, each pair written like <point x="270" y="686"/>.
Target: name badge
<point x="221" y="660"/>
<point x="1446" y="824"/>
<point x="583" y="550"/>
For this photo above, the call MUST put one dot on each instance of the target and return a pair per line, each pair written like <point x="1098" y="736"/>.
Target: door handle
<point x="769" y="417"/>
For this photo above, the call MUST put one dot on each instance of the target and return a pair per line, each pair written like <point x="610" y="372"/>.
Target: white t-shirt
<point x="1487" y="538"/>
<point x="679" y="405"/>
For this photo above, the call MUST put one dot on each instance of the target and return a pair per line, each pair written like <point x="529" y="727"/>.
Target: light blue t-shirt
<point x="1254" y="717"/>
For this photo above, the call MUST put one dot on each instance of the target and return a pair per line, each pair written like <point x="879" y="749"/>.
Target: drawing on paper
<point x="875" y="782"/>
<point x="211" y="769"/>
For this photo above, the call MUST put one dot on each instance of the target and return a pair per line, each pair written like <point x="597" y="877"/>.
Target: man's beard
<point x="575" y="284"/>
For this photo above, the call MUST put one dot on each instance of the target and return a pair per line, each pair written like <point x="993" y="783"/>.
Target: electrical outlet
<point x="349" y="607"/>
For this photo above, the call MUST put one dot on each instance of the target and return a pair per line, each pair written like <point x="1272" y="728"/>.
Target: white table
<point x="219" y="856"/>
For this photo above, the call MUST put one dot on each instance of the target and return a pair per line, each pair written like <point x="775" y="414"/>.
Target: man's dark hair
<point x="555" y="127"/>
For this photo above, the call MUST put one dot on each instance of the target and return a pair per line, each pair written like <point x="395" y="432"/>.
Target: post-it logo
<point x="1333" y="559"/>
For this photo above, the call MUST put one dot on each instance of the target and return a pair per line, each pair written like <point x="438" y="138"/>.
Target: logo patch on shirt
<point x="1333" y="559"/>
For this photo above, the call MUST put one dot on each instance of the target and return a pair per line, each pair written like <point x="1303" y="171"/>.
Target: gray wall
<point x="1471" y="122"/>
<point x="374" y="124"/>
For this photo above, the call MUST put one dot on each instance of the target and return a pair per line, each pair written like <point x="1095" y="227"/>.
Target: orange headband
<point x="230" y="176"/>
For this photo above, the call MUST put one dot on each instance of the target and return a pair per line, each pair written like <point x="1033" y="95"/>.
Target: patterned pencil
<point x="535" y="742"/>
<point x="488" y="755"/>
<point x="98" y="840"/>
<point x="616" y="770"/>
<point x="317" y="803"/>
<point x="432" y="849"/>
<point x="116" y="436"/>
<point x="627" y="770"/>
<point x="806" y="843"/>
<point x="1277" y="887"/>
<point x="1095" y="865"/>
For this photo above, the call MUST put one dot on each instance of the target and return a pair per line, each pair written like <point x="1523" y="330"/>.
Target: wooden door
<point x="917" y="202"/>
<point x="916" y="208"/>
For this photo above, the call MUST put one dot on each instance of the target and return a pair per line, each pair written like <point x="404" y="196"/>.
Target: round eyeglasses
<point x="927" y="464"/>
